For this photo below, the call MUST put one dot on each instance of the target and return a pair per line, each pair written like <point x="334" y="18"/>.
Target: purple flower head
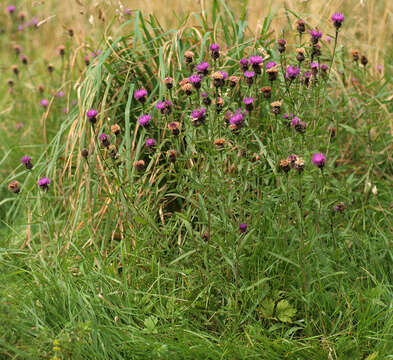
<point x="161" y="105"/>
<point x="237" y="118"/>
<point x="127" y="11"/>
<point x="379" y="68"/>
<point x="249" y="74"/>
<point x="198" y="114"/>
<point x="307" y="74"/>
<point x="103" y="137"/>
<point x="140" y="94"/>
<point x="203" y="67"/>
<point x="292" y="72"/>
<point x="43" y="183"/>
<point x="248" y="101"/>
<point x="243" y="228"/>
<point x="338" y="19"/>
<point x="324" y="67"/>
<point x="150" y="142"/>
<point x="11" y="9"/>
<point x="60" y="94"/>
<point x="44" y="103"/>
<point x="328" y="39"/>
<point x="256" y="60"/>
<point x="314" y="65"/>
<point x="315" y="36"/>
<point x="144" y="120"/>
<point x="92" y="113"/>
<point x="244" y="62"/>
<point x="34" y="21"/>
<point x="270" y="65"/>
<point x="214" y="47"/>
<point x="295" y="121"/>
<point x="194" y="79"/>
<point x="25" y="160"/>
<point x="319" y="160"/>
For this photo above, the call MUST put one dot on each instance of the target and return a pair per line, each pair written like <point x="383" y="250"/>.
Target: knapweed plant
<point x="211" y="186"/>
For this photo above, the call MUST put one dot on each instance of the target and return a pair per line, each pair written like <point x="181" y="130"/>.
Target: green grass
<point x="111" y="262"/>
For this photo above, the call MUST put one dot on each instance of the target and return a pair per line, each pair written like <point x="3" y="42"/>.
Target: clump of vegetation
<point x="215" y="194"/>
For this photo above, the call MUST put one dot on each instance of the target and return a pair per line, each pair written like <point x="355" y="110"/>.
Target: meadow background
<point x="85" y="275"/>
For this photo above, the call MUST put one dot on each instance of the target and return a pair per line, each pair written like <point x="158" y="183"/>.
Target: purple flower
<point x="165" y="107"/>
<point x="338" y="19"/>
<point x="150" y="142"/>
<point x="307" y="74"/>
<point x="248" y="101"/>
<point x="328" y="39"/>
<point x="237" y="118"/>
<point x="214" y="47"/>
<point x="194" y="79"/>
<point x="44" y="103"/>
<point x="324" y="67"/>
<point x="379" y="68"/>
<point x="270" y="65"/>
<point x="244" y="62"/>
<point x="104" y="139"/>
<point x="199" y="114"/>
<point x="292" y="72"/>
<point x="92" y="113"/>
<point x="203" y="67"/>
<point x="60" y="94"/>
<point x="256" y="60"/>
<point x="249" y="74"/>
<point x="243" y="228"/>
<point x="314" y="65"/>
<point x="295" y="121"/>
<point x="43" y="183"/>
<point x="144" y="120"/>
<point x="127" y="11"/>
<point x="315" y="36"/>
<point x="140" y="95"/>
<point x="11" y="9"/>
<point x="26" y="161"/>
<point x="95" y="53"/>
<point x="319" y="160"/>
<point x="287" y="116"/>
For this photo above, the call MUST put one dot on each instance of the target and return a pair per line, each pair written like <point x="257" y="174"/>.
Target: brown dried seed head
<point x="189" y="54"/>
<point x="276" y="104"/>
<point x="266" y="89"/>
<point x="219" y="101"/>
<point x="219" y="143"/>
<point x="168" y="80"/>
<point x="234" y="79"/>
<point x="217" y="76"/>
<point x="13" y="186"/>
<point x="301" y="51"/>
<point x="187" y="88"/>
<point x="115" y="129"/>
<point x="184" y="82"/>
<point x="273" y="69"/>
<point x="285" y="165"/>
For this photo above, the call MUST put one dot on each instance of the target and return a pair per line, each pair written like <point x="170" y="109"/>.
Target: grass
<point x="113" y="263"/>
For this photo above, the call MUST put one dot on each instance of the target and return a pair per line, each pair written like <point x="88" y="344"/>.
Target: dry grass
<point x="369" y="22"/>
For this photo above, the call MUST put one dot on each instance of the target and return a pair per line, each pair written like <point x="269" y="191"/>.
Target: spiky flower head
<point x="315" y="35"/>
<point x="92" y="113"/>
<point x="338" y="19"/>
<point x="270" y="65"/>
<point x="144" y="120"/>
<point x="140" y="95"/>
<point x="319" y="160"/>
<point x="25" y="160"/>
<point x="255" y="60"/>
<point x="243" y="228"/>
<point x="44" y="103"/>
<point x="150" y="142"/>
<point x="292" y="72"/>
<point x="214" y="47"/>
<point x="43" y="183"/>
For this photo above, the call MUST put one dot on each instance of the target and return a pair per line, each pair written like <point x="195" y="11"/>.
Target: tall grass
<point x="116" y="263"/>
